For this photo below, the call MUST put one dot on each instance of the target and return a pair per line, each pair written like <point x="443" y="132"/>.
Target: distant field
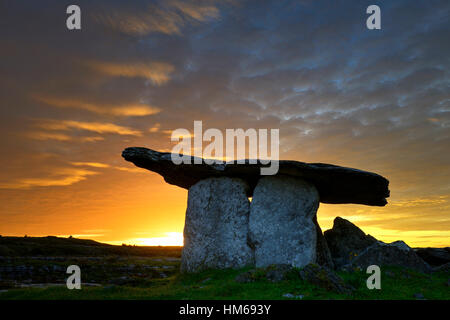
<point x="35" y="268"/>
<point x="54" y="246"/>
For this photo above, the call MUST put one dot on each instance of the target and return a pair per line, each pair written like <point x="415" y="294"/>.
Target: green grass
<point x="155" y="275"/>
<point x="396" y="283"/>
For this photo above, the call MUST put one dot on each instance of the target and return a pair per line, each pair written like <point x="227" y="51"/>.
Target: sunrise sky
<point x="71" y="101"/>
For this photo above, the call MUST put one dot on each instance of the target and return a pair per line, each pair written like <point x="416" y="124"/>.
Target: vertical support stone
<point x="323" y="254"/>
<point x="216" y="226"/>
<point x="281" y="223"/>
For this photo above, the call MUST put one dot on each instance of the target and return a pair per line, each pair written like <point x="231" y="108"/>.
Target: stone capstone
<point x="335" y="184"/>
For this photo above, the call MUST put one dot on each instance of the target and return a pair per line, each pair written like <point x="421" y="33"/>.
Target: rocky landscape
<point x="107" y="271"/>
<point x="40" y="262"/>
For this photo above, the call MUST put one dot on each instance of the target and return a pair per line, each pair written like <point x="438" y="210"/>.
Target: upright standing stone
<point x="282" y="228"/>
<point x="323" y="254"/>
<point x="216" y="227"/>
<point x="346" y="241"/>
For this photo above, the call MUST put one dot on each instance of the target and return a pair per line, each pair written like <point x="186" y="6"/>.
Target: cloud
<point x="167" y="17"/>
<point x="92" y="139"/>
<point x="38" y="135"/>
<point x="157" y="72"/>
<point x="124" y="110"/>
<point x="441" y="200"/>
<point x="155" y="128"/>
<point x="196" y="10"/>
<point x="59" y="177"/>
<point x="42" y="135"/>
<point x="97" y="127"/>
<point x="104" y="165"/>
<point x="91" y="164"/>
<point x="134" y="170"/>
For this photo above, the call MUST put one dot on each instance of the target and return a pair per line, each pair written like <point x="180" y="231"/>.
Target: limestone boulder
<point x="434" y="256"/>
<point x="325" y="278"/>
<point x="216" y="226"/>
<point x="281" y="223"/>
<point x="323" y="254"/>
<point x="396" y="253"/>
<point x="346" y="241"/>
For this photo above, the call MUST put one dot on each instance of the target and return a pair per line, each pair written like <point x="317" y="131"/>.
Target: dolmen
<point x="224" y="229"/>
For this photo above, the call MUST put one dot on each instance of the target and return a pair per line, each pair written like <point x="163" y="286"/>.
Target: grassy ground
<point x="128" y="272"/>
<point x="213" y="284"/>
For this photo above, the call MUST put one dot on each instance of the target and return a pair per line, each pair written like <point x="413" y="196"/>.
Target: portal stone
<point x="216" y="226"/>
<point x="281" y="223"/>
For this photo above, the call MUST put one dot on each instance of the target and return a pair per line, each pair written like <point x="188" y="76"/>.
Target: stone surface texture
<point x="324" y="278"/>
<point x="396" y="253"/>
<point x="335" y="184"/>
<point x="281" y="223"/>
<point x="216" y="226"/>
<point x="434" y="256"/>
<point x="345" y="241"/>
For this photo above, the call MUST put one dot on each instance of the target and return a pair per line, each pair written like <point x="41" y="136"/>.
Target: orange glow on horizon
<point x="171" y="239"/>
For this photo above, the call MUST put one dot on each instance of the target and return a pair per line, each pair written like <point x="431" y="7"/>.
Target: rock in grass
<point x="274" y="273"/>
<point x="442" y="268"/>
<point x="419" y="296"/>
<point x="396" y="253"/>
<point x="216" y="226"/>
<point x="293" y="296"/>
<point x="325" y="278"/>
<point x="246" y="277"/>
<point x="277" y="273"/>
<point x="281" y="223"/>
<point x="345" y="241"/>
<point x="434" y="256"/>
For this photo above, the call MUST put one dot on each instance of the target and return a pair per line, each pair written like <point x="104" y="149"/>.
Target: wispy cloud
<point x="157" y="72"/>
<point x="59" y="177"/>
<point x="44" y="135"/>
<point x="91" y="164"/>
<point x="92" y="139"/>
<point x="98" y="127"/>
<point x="195" y="10"/>
<point x="122" y="110"/>
<point x="440" y="200"/>
<point x="104" y="165"/>
<point x="155" y="128"/>
<point x="135" y="170"/>
<point x="167" y="18"/>
<point x="39" y="135"/>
